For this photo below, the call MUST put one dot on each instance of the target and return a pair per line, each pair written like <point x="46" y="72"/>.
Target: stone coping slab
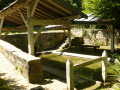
<point x="29" y="66"/>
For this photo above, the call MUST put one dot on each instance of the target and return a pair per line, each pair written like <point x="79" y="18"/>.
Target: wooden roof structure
<point x="25" y="14"/>
<point x="42" y="9"/>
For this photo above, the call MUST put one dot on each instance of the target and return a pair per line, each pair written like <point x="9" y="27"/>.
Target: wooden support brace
<point x="23" y="18"/>
<point x="1" y="24"/>
<point x="5" y="35"/>
<point x="34" y="7"/>
<point x="66" y="33"/>
<point x="38" y="33"/>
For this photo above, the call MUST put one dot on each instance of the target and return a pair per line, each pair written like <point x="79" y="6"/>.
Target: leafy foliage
<point x="76" y="3"/>
<point x="103" y="8"/>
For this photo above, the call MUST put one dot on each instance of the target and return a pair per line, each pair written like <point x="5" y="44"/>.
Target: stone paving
<point x="17" y="82"/>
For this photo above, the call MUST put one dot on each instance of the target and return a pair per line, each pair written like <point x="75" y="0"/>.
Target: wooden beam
<point x="23" y="18"/>
<point x="38" y="33"/>
<point x="30" y="33"/>
<point x="5" y="35"/>
<point x="13" y="29"/>
<point x="112" y="34"/>
<point x="92" y="23"/>
<point x="49" y="22"/>
<point x="34" y="7"/>
<point x="53" y="9"/>
<point x="66" y="33"/>
<point x="57" y="5"/>
<point x="1" y="24"/>
<point x="41" y="11"/>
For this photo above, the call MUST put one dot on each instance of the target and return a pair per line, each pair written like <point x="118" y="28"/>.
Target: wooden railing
<point x="70" y="68"/>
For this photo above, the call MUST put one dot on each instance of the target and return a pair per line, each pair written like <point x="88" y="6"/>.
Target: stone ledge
<point x="29" y="66"/>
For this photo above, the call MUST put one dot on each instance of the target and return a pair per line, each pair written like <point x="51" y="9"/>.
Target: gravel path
<point x="17" y="82"/>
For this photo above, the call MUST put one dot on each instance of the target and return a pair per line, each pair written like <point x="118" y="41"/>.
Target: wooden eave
<point x="45" y="10"/>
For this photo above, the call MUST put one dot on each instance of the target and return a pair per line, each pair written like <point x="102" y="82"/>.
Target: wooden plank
<point x="80" y="65"/>
<point x="45" y="13"/>
<point x="50" y="7"/>
<point x="38" y="33"/>
<point x="60" y="7"/>
<point x="49" y="22"/>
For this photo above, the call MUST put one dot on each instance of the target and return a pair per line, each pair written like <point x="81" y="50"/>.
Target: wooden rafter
<point x="57" y="5"/>
<point x="50" y="7"/>
<point x="45" y="13"/>
<point x="34" y="7"/>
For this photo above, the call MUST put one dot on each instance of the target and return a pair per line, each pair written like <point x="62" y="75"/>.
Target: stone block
<point x="29" y="66"/>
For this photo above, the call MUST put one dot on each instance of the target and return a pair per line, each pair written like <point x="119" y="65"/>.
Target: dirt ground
<point x="17" y="82"/>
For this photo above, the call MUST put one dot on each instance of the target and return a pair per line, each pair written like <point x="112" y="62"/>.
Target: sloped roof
<point x="46" y="9"/>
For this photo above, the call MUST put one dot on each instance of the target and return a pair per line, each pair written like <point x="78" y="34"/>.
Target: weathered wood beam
<point x="5" y="35"/>
<point x="34" y="7"/>
<point x="24" y="19"/>
<point x="38" y="33"/>
<point x="49" y="22"/>
<point x="39" y="10"/>
<point x="13" y="29"/>
<point x="53" y="9"/>
<point x="57" y="5"/>
<point x="15" y="7"/>
<point x="1" y="24"/>
<point x="66" y="33"/>
<point x="92" y="23"/>
<point x="30" y="33"/>
<point x="70" y="17"/>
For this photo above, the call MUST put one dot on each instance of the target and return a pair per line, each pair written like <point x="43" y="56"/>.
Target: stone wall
<point x="29" y="66"/>
<point x="44" y="42"/>
<point x="97" y="37"/>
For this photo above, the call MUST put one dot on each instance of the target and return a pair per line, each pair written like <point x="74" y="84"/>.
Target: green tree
<point x="76" y="3"/>
<point x="103" y="8"/>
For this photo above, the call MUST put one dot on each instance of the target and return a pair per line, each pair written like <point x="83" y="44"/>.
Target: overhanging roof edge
<point x="72" y="7"/>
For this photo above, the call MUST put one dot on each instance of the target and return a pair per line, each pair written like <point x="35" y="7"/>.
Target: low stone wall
<point x="97" y="36"/>
<point x="45" y="41"/>
<point x="29" y="66"/>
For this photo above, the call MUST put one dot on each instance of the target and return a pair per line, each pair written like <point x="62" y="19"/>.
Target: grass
<point x="59" y="62"/>
<point x="3" y="85"/>
<point x="92" y="71"/>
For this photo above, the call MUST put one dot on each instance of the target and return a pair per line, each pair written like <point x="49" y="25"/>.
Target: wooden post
<point x="1" y="24"/>
<point x="112" y="39"/>
<point x="30" y="33"/>
<point x="104" y="65"/>
<point x="70" y="75"/>
<point x="112" y="31"/>
<point x="69" y="37"/>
